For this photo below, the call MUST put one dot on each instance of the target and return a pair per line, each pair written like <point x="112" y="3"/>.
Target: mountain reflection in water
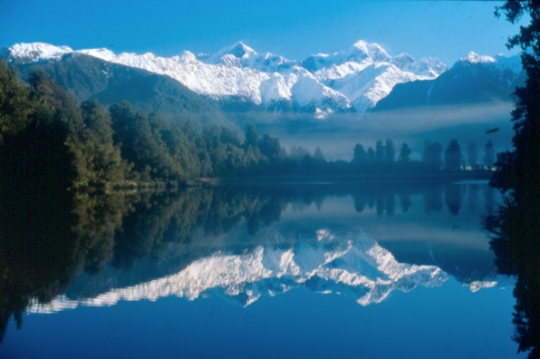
<point x="362" y="241"/>
<point x="327" y="262"/>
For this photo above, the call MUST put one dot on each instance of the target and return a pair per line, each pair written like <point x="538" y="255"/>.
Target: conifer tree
<point x="404" y="153"/>
<point x="390" y="151"/>
<point x="360" y="154"/>
<point x="452" y="156"/>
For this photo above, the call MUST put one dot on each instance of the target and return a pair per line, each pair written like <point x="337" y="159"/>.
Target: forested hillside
<point x="91" y="78"/>
<point x="45" y="131"/>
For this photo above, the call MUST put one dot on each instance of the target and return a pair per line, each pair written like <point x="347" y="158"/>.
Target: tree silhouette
<point x="452" y="156"/>
<point x="404" y="153"/>
<point x="390" y="151"/>
<point x="318" y="155"/>
<point x="515" y="225"/>
<point x="360" y="154"/>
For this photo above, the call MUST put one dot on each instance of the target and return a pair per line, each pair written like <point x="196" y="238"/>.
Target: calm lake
<point x="314" y="270"/>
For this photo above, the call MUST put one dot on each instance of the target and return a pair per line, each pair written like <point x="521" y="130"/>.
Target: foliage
<point x="15" y="106"/>
<point x="515" y="225"/>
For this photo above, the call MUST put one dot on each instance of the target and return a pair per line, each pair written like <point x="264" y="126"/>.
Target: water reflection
<point x="452" y="197"/>
<point x="433" y="199"/>
<point x="362" y="241"/>
<point x="330" y="262"/>
<point x="515" y="229"/>
<point x="38" y="250"/>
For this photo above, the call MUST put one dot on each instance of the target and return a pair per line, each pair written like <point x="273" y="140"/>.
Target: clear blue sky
<point x="294" y="29"/>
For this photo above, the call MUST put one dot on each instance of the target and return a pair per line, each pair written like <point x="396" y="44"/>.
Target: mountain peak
<point x="371" y="50"/>
<point x="474" y="58"/>
<point x="238" y="50"/>
<point x="232" y="55"/>
<point x="366" y="47"/>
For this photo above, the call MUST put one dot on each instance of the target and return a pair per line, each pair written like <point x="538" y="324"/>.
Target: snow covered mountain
<point x="352" y="80"/>
<point x="350" y="264"/>
<point x="472" y="79"/>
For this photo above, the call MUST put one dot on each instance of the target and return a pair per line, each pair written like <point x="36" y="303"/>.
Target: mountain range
<point x="238" y="79"/>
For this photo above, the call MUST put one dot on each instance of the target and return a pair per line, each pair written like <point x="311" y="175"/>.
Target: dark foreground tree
<point x="516" y="240"/>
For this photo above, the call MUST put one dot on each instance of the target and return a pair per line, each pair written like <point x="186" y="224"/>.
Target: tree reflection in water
<point x="516" y="244"/>
<point x="38" y="250"/>
<point x="515" y="227"/>
<point x="50" y="236"/>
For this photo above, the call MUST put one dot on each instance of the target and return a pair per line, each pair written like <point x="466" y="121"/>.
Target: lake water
<point x="296" y="270"/>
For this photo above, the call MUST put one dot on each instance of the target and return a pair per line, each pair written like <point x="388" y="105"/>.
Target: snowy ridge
<point x="355" y="79"/>
<point x="352" y="265"/>
<point x="38" y="51"/>
<point x="505" y="69"/>
<point x="474" y="58"/>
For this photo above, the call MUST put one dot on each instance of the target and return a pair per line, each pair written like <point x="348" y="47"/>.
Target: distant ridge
<point x="473" y="79"/>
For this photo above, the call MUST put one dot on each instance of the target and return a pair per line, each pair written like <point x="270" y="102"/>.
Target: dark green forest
<point x="46" y="131"/>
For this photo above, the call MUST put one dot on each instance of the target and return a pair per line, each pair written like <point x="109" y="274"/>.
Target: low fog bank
<point x="338" y="134"/>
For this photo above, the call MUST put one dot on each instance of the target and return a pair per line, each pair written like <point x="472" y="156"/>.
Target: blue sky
<point x="294" y="29"/>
